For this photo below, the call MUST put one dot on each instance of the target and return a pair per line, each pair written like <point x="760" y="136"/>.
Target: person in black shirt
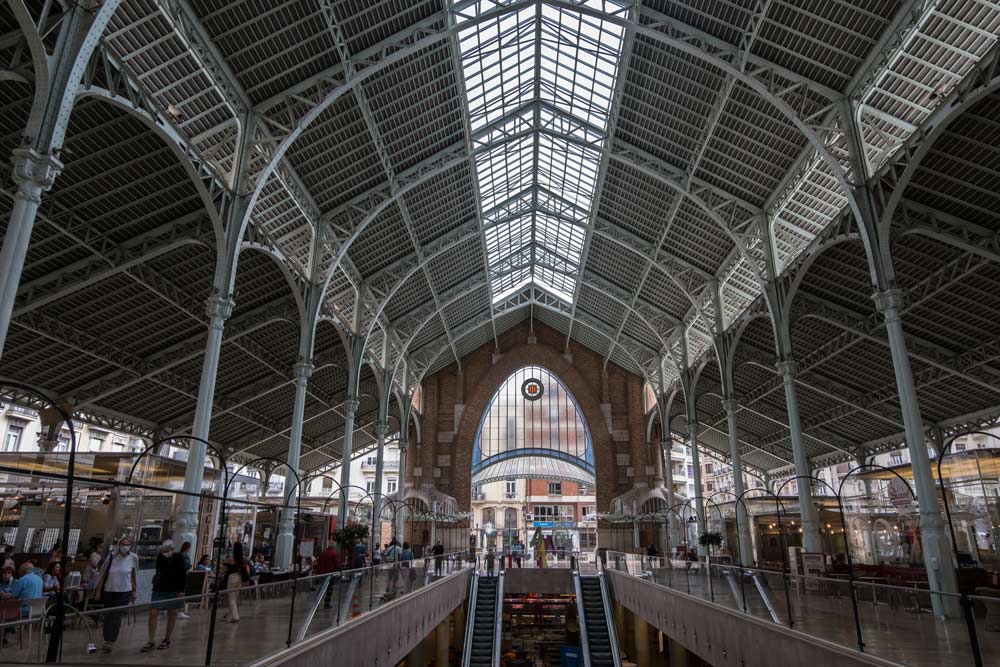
<point x="168" y="588"/>
<point x="438" y="558"/>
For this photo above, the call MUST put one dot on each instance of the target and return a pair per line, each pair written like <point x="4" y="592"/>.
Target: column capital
<point x="351" y="406"/>
<point x="302" y="370"/>
<point x="381" y="427"/>
<point x="219" y="307"/>
<point x="788" y="368"/>
<point x="730" y="404"/>
<point x="29" y="167"/>
<point x="888" y="302"/>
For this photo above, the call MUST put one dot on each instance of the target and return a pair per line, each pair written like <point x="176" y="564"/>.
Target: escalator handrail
<point x="498" y="622"/>
<point x="610" y="620"/>
<point x="470" y="619"/>
<point x="581" y="619"/>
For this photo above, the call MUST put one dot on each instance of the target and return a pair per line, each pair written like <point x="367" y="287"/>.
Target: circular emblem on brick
<point x="532" y="389"/>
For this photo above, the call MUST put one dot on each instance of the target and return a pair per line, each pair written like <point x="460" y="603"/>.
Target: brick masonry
<point x="610" y="399"/>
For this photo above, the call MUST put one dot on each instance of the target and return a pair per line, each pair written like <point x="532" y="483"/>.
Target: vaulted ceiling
<point x="627" y="173"/>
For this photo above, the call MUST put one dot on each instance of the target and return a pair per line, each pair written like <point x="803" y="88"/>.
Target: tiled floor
<point x="891" y="631"/>
<point x="262" y="630"/>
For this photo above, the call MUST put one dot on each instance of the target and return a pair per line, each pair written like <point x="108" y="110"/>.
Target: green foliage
<point x="346" y="536"/>
<point x="710" y="539"/>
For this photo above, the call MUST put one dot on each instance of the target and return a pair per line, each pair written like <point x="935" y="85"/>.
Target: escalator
<point x="597" y="627"/>
<point x="482" y="638"/>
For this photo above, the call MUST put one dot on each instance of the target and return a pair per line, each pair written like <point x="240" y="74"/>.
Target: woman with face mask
<point x="116" y="588"/>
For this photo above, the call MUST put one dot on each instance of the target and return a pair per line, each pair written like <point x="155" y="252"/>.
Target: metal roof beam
<point x="71" y="278"/>
<point x="148" y="367"/>
<point x="375" y="134"/>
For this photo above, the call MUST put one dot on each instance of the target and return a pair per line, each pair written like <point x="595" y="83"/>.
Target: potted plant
<point x="709" y="540"/>
<point x="346" y="536"/>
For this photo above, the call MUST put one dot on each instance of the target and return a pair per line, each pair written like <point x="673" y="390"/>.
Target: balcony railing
<point x="19" y="410"/>
<point x="387" y="466"/>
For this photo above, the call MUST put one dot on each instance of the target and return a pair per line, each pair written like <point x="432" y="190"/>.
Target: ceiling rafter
<point x="361" y="97"/>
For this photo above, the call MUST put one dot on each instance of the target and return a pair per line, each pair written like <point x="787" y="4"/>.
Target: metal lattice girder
<point x="639" y="354"/>
<point x="852" y="399"/>
<point x="914" y="218"/>
<point x="925" y="290"/>
<point x="770" y="80"/>
<point x="106" y="78"/>
<point x="188" y="350"/>
<point x="719" y="82"/>
<point x="113" y="259"/>
<point x="83" y="343"/>
<point x="376" y="136"/>
<point x="364" y="209"/>
<point x="410" y="324"/>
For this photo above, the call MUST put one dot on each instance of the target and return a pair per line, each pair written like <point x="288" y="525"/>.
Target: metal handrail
<point x="498" y="622"/>
<point x="470" y="619"/>
<point x="610" y="620"/>
<point x="581" y="618"/>
<point x="320" y="595"/>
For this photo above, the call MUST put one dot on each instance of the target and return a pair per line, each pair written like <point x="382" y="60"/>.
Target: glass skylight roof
<point x="539" y="85"/>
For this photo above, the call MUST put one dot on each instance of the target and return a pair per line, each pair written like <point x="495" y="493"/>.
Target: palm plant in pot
<point x="708" y="540"/>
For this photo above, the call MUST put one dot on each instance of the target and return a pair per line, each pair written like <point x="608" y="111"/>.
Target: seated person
<point x="28" y="586"/>
<point x="6" y="583"/>
<point x="50" y="580"/>
<point x="204" y="564"/>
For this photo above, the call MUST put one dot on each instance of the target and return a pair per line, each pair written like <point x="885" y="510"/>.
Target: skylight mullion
<point x="576" y="57"/>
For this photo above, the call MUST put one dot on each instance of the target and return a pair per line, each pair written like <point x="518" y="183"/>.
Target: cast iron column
<point x="219" y="310"/>
<point x="743" y="530"/>
<point x="34" y="174"/>
<point x="811" y="541"/>
<point x="286" y="526"/>
<point x="350" y="407"/>
<point x="937" y="552"/>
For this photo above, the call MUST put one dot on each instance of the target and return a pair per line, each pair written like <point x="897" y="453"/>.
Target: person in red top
<point x="328" y="562"/>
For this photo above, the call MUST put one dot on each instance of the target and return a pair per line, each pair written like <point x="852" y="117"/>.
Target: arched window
<point x="510" y="518"/>
<point x="489" y="516"/>
<point x="533" y="427"/>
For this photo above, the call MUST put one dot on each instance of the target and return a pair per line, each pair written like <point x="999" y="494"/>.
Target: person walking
<point x="237" y="573"/>
<point x="328" y="562"/>
<point x="438" y="558"/>
<point x="116" y="588"/>
<point x="393" y="555"/>
<point x="358" y="555"/>
<point x="406" y="558"/>
<point x="186" y="557"/>
<point x="491" y="561"/>
<point x="168" y="588"/>
<point x="518" y="550"/>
